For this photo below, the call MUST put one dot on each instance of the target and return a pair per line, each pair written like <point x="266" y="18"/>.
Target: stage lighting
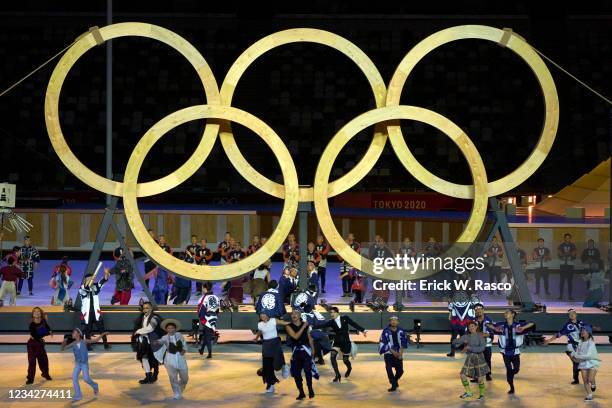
<point x="9" y="220"/>
<point x="195" y="329"/>
<point x="417" y="328"/>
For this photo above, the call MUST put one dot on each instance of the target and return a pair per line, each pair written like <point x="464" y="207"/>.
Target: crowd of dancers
<point x="157" y="341"/>
<point x="310" y="336"/>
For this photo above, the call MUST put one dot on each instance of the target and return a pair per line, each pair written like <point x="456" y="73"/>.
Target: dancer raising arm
<point x="510" y="339"/>
<point x="81" y="361"/>
<point x="172" y="355"/>
<point x="571" y="329"/>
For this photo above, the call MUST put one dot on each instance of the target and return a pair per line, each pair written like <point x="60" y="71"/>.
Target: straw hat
<point x="166" y="322"/>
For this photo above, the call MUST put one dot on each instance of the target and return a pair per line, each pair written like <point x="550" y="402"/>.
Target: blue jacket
<point x="81" y="355"/>
<point x="386" y="340"/>
<point x="285" y="286"/>
<point x="572" y="332"/>
<point x="304" y="302"/>
<point x="271" y="304"/>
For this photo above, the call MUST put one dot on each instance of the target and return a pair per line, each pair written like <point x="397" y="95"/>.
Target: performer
<point x="475" y="366"/>
<point x="164" y="245"/>
<point x="494" y="255"/>
<point x="378" y="250"/>
<point x="270" y="302"/>
<point x="147" y="330"/>
<point x="588" y="360"/>
<point x="271" y="350"/>
<point x="596" y="283"/>
<point x="305" y="303"/>
<point x="591" y="256"/>
<point x="191" y="250"/>
<point x="483" y="322"/>
<point x="291" y="252"/>
<point x="288" y="284"/>
<point x="255" y="245"/>
<point x="358" y="285"/>
<point x="571" y="329"/>
<point x="235" y="253"/>
<point x="14" y="253"/>
<point x="203" y="257"/>
<point x="312" y="254"/>
<point x="89" y="300"/>
<point x="163" y="279"/>
<point x="63" y="263"/>
<point x="322" y="249"/>
<point x="342" y="341"/>
<point x="29" y="258"/>
<point x="10" y="274"/>
<point x="80" y="347"/>
<point x="124" y="278"/>
<point x="510" y="339"/>
<point x="408" y="249"/>
<point x="393" y="342"/>
<point x="61" y="282"/>
<point x="208" y="312"/>
<point x="313" y="276"/>
<point x="567" y="255"/>
<point x="541" y="255"/>
<point x="224" y="246"/>
<point x="181" y="290"/>
<point x="172" y="354"/>
<point x="460" y="312"/>
<point x="302" y="354"/>
<point x="149" y="265"/>
<point x="345" y="268"/>
<point x="432" y="248"/>
<point x="261" y="279"/>
<point x="39" y="329"/>
<point x="312" y="264"/>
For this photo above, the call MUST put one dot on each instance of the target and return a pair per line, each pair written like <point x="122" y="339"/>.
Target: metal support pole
<point x="128" y="255"/>
<point x="520" y="282"/>
<point x="303" y="211"/>
<point x="98" y="245"/>
<point x="109" y="99"/>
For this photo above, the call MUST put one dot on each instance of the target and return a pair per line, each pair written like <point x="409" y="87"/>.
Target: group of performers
<point x="158" y="341"/>
<point x="476" y="330"/>
<point x="170" y="288"/>
<point x="20" y="265"/>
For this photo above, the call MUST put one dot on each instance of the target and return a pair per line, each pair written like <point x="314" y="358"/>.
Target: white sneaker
<point x="285" y="371"/>
<point x="270" y="390"/>
<point x="588" y="398"/>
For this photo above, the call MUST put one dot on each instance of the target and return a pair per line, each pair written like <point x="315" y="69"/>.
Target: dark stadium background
<point x="304" y="91"/>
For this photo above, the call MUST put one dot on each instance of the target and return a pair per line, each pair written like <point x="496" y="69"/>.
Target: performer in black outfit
<point x="342" y="341"/>
<point x="39" y="329"/>
<point x="147" y="330"/>
<point x="302" y="357"/>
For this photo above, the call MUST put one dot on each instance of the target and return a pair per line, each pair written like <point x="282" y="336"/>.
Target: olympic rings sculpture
<point x="219" y="113"/>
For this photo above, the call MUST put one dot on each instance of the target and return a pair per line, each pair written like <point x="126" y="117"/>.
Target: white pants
<point x="178" y="378"/>
<point x="8" y="288"/>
